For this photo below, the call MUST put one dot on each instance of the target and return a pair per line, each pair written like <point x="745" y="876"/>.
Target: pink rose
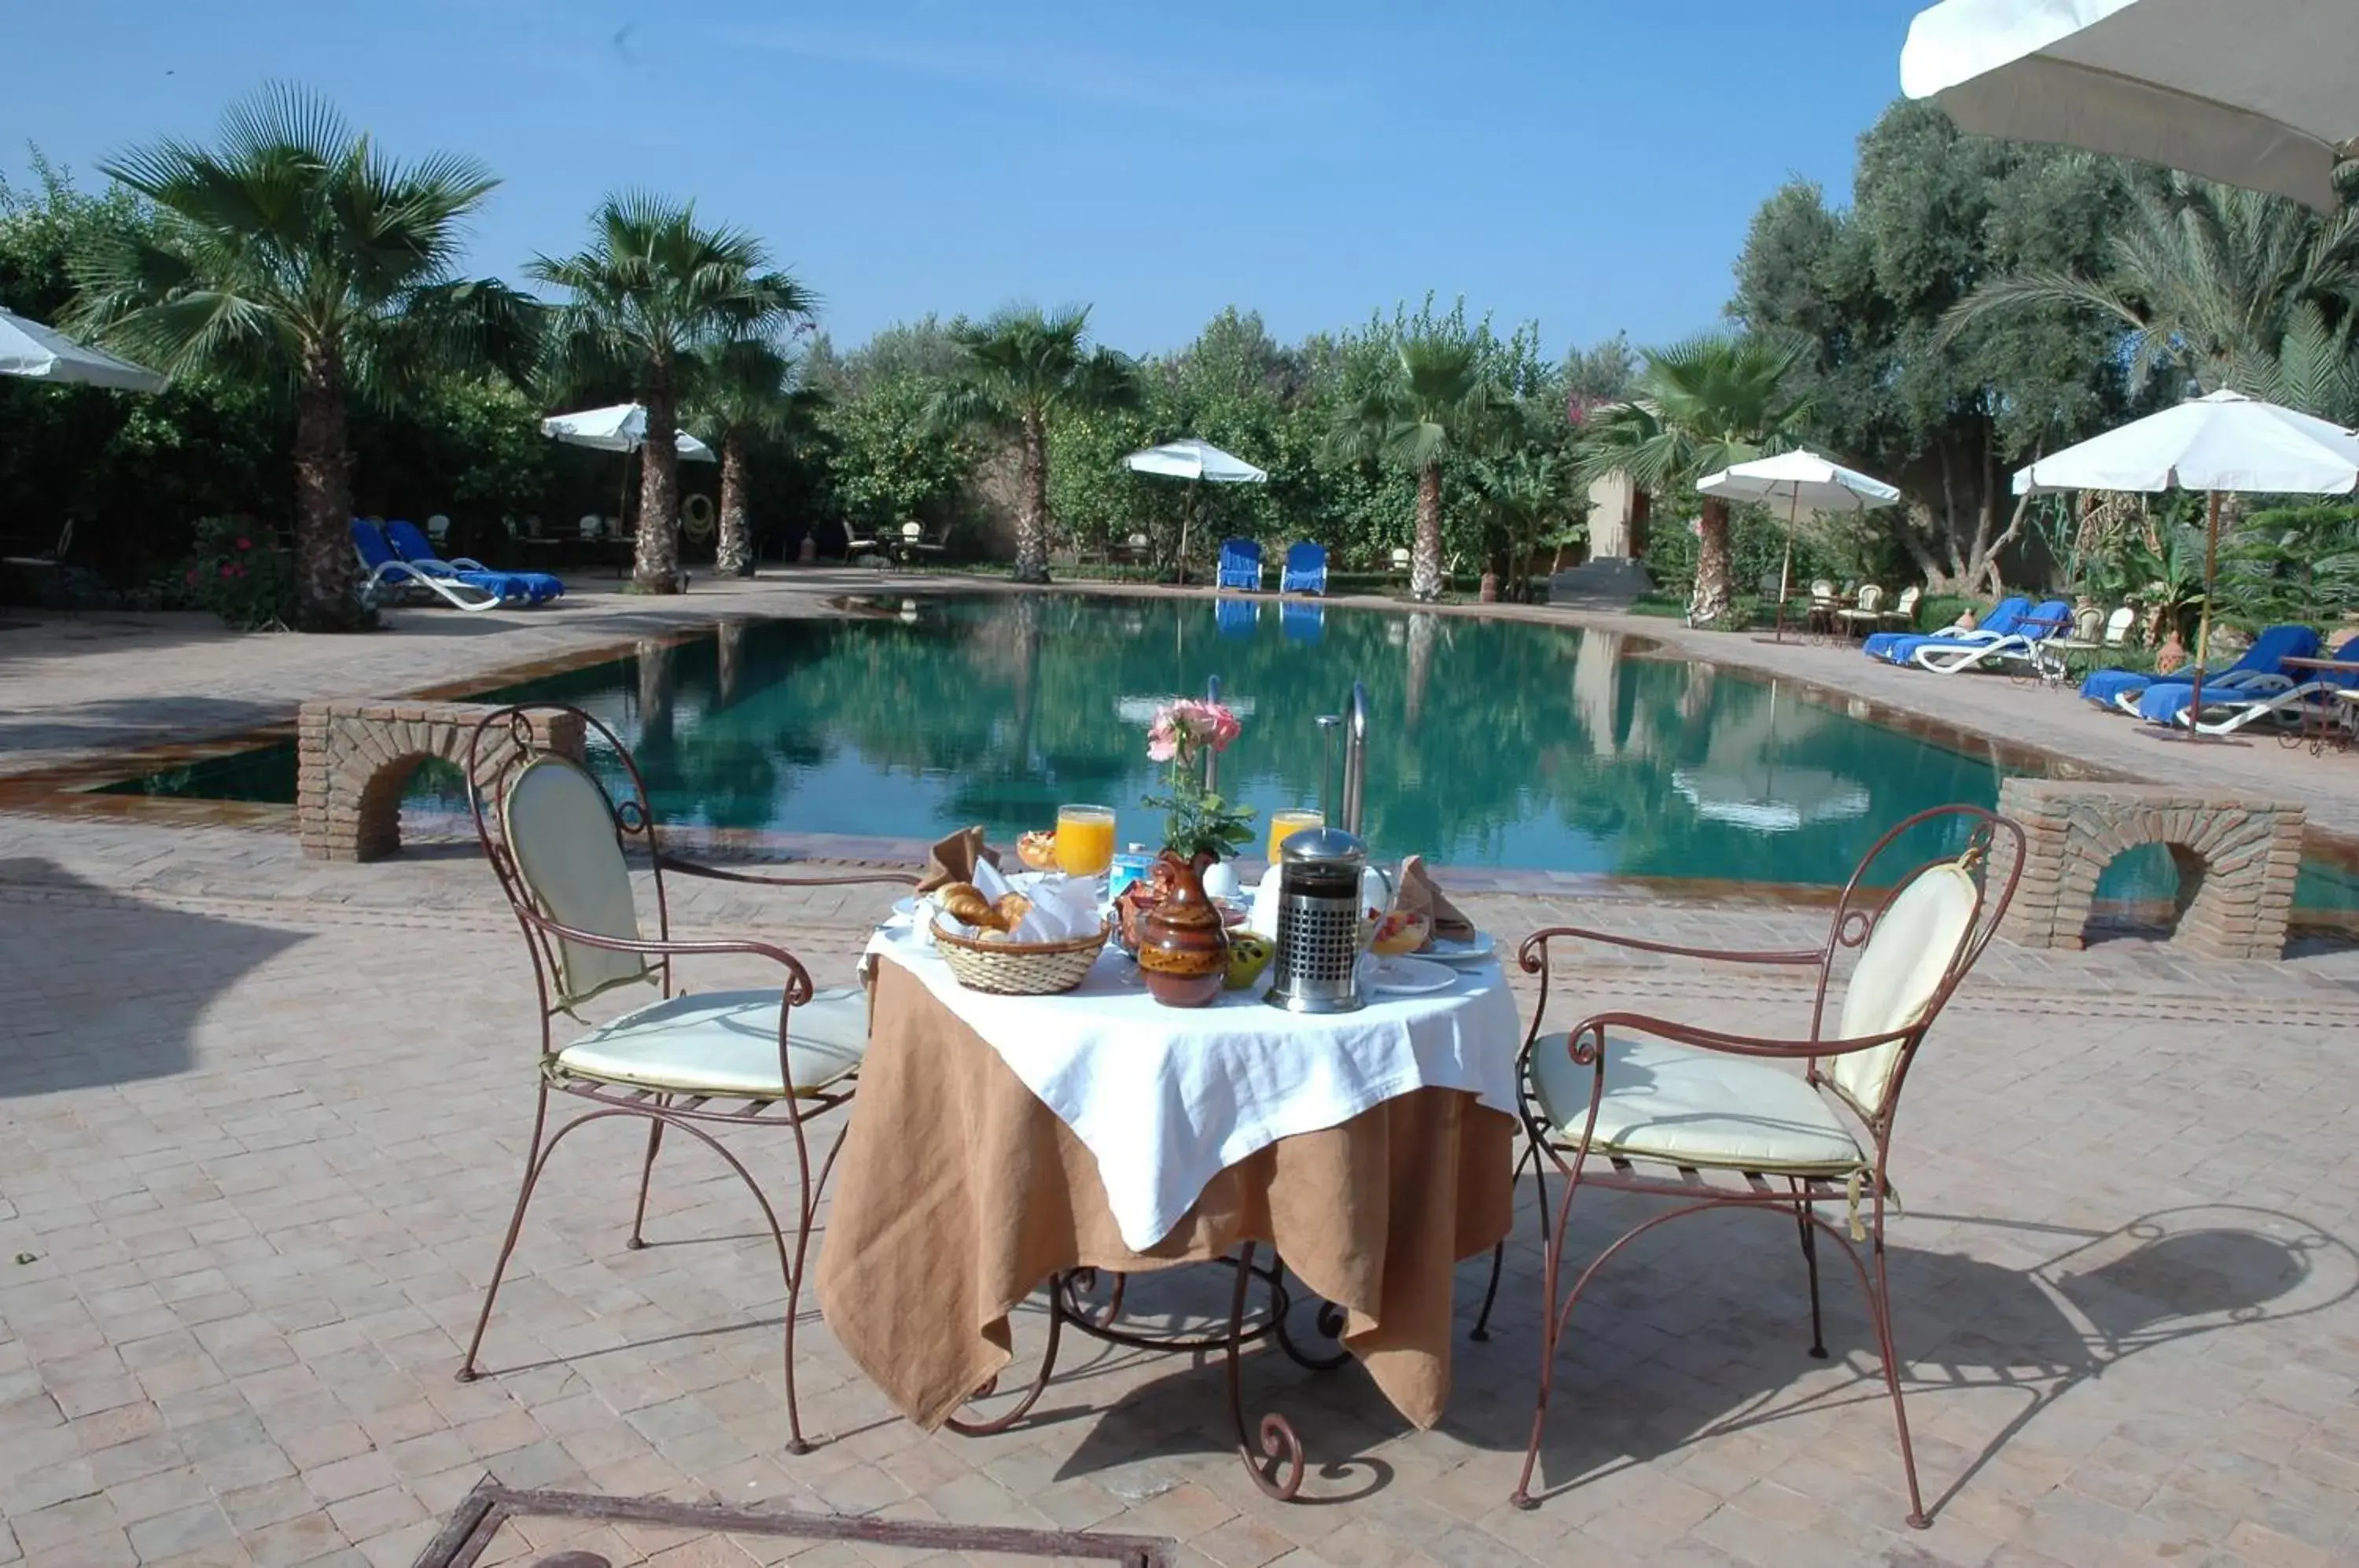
<point x="227" y="569"/>
<point x="246" y="544"/>
<point x="1162" y="739"/>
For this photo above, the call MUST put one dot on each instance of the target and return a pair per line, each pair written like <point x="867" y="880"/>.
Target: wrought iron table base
<point x="1272" y="1453"/>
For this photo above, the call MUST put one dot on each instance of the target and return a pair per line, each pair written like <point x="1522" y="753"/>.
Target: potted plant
<point x="1181" y="941"/>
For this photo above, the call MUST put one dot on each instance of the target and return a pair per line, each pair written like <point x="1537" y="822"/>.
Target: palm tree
<point x="296" y="251"/>
<point x="652" y="290"/>
<point x="746" y="390"/>
<point x="1438" y="403"/>
<point x="1020" y="368"/>
<point x="1696" y="407"/>
<point x="2207" y="279"/>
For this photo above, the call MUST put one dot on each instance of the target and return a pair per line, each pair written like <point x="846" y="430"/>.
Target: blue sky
<point x="1591" y="164"/>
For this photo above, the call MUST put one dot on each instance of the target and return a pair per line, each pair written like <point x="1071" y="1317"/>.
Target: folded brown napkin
<point x="1419" y="896"/>
<point x="954" y="859"/>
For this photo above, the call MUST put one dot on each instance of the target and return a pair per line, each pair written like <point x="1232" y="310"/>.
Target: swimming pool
<point x="1494" y="742"/>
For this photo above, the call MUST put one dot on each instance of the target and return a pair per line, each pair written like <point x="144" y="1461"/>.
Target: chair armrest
<point x="467" y="563"/>
<point x="1532" y="955"/>
<point x="799" y="988"/>
<point x="713" y="873"/>
<point x="1597" y="1025"/>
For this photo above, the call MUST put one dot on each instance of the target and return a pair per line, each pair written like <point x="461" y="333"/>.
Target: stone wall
<point x="2236" y="859"/>
<point x="354" y="757"/>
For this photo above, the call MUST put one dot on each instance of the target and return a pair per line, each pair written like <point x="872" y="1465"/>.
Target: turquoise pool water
<point x="1495" y="744"/>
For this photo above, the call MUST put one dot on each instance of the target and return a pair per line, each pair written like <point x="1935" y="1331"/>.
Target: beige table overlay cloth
<point x="959" y="1194"/>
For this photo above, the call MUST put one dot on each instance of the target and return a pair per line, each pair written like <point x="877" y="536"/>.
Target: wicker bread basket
<point x="1019" y="968"/>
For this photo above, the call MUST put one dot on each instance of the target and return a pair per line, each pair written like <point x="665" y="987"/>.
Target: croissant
<point x="1011" y="910"/>
<point x="967" y="905"/>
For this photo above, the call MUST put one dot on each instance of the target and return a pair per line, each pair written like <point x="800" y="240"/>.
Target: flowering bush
<point x="1197" y="822"/>
<point x="237" y="575"/>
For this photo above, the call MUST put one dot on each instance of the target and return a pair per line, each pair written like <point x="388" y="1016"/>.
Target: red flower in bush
<point x="192" y="577"/>
<point x="227" y="569"/>
<point x="246" y="544"/>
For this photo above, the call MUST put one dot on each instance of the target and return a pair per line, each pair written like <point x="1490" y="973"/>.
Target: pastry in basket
<point x="967" y="905"/>
<point x="1009" y="912"/>
<point x="1038" y="850"/>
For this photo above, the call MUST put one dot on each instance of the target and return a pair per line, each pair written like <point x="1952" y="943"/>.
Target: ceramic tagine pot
<point x="1183" y="947"/>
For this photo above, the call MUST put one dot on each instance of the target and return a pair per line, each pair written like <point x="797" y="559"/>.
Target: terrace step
<point x="1608" y="582"/>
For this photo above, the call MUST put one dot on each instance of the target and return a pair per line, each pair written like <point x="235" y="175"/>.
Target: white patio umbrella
<point x="623" y="427"/>
<point x="2253" y="92"/>
<point x="2222" y="441"/>
<point x="1197" y="461"/>
<point x="44" y="354"/>
<point x="1800" y="478"/>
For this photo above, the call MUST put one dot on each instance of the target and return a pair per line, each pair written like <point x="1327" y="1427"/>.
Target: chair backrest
<point x="1871" y="597"/>
<point x="1306" y="557"/>
<point x="555" y="838"/>
<point x="1916" y="944"/>
<point x="1240" y="555"/>
<point x="1400" y="556"/>
<point x="407" y="542"/>
<point x="2088" y="622"/>
<point x="2118" y="625"/>
<point x="1909" y="597"/>
<point x="1822" y="588"/>
<point x="2008" y="619"/>
<point x="913" y="530"/>
<point x="592" y="525"/>
<point x="369" y="539"/>
<point x="2274" y="647"/>
<point x="2053" y="618"/>
<point x="438" y="527"/>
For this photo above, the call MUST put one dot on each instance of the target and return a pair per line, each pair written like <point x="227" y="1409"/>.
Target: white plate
<point x="1409" y="977"/>
<point x="1478" y="950"/>
<point x="906" y="908"/>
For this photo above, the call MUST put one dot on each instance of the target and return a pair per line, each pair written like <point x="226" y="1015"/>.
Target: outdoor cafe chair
<point x="1904" y="609"/>
<point x="1862" y="617"/>
<point x="1711" y="1119"/>
<point x="774" y="1058"/>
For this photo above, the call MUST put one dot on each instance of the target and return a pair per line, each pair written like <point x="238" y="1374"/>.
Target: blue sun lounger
<point x="469" y="591"/>
<point x="1240" y="565"/>
<point x="2121" y="690"/>
<point x="415" y="549"/>
<point x="1897" y="647"/>
<point x="1306" y="569"/>
<point x="2235" y="699"/>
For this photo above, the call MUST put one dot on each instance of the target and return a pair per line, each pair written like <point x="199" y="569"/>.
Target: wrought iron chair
<point x="1861" y="617"/>
<point x="1711" y="1120"/>
<point x="557" y="840"/>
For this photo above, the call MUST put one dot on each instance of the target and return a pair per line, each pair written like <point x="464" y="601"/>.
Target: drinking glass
<point x="1084" y="840"/>
<point x="1285" y="824"/>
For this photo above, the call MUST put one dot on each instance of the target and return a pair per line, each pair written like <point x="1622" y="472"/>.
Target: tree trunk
<point x="1424" y="557"/>
<point x="654" y="568"/>
<point x="735" y="555"/>
<point x="1032" y="504"/>
<point x="1708" y="606"/>
<point x="325" y="578"/>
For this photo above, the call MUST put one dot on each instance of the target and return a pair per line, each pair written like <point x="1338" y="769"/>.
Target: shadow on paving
<point x="1683" y="1341"/>
<point x="104" y="989"/>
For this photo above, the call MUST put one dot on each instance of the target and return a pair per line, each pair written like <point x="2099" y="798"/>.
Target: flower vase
<point x="1183" y="947"/>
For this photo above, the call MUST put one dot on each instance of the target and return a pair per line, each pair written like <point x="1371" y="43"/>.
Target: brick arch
<point x="2237" y="860"/>
<point x="353" y="758"/>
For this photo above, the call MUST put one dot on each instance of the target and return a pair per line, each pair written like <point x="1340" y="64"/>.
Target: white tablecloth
<point x="1166" y="1098"/>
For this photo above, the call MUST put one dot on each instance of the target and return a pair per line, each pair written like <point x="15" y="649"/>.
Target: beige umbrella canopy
<point x="2251" y="93"/>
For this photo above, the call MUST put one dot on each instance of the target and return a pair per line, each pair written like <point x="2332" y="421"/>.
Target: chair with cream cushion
<point x="774" y="1057"/>
<point x="1713" y="1119"/>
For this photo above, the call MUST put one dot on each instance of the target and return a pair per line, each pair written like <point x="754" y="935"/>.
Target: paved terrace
<point x="262" y="1120"/>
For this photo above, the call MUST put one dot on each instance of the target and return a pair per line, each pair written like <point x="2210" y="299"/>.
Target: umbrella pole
<point x="1786" y="568"/>
<point x="2203" y="625"/>
<point x="1186" y="516"/>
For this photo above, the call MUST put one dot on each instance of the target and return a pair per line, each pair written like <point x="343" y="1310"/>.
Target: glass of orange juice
<point x="1285" y="824"/>
<point x="1084" y="840"/>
